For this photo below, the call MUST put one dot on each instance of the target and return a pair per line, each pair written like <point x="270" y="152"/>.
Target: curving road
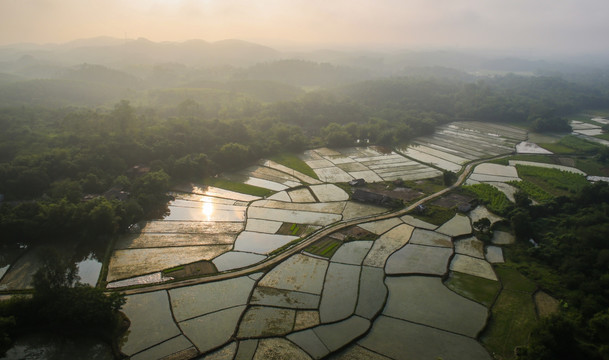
<point x="308" y="241"/>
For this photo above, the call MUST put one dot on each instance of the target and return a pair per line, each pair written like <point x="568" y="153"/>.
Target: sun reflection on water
<point x="208" y="209"/>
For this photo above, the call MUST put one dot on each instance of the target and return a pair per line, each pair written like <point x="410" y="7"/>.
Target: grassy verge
<point x="604" y="136"/>
<point x="535" y="158"/>
<point x="237" y="187"/>
<point x="475" y="288"/>
<point x="513" y="317"/>
<point x="173" y="269"/>
<point x="592" y="167"/>
<point x="513" y="314"/>
<point x="587" y="164"/>
<point x="285" y="247"/>
<point x="512" y="279"/>
<point x="571" y="144"/>
<point x="294" y="162"/>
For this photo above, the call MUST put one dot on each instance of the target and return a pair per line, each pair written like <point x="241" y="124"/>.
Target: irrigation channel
<point x="306" y="242"/>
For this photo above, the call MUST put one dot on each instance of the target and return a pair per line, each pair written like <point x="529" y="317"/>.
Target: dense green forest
<point x="571" y="261"/>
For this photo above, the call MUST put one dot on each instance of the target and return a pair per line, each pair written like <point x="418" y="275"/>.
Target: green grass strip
<point x="571" y="144"/>
<point x="604" y="136"/>
<point x="475" y="288"/>
<point x="513" y="313"/>
<point x="177" y="268"/>
<point x="238" y="187"/>
<point x="592" y="166"/>
<point x="294" y="162"/>
<point x="535" y="158"/>
<point x="329" y="248"/>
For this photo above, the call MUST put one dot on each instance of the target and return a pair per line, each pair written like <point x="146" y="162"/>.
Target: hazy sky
<point x="548" y="25"/>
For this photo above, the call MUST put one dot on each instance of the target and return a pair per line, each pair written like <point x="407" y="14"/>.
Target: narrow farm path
<point x="308" y="241"/>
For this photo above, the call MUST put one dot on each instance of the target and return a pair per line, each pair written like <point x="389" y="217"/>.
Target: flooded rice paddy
<point x="309" y="307"/>
<point x="454" y="144"/>
<point x="526" y="147"/>
<point x="588" y="131"/>
<point x="371" y="164"/>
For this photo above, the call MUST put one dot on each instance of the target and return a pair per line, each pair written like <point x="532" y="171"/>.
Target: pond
<point x="25" y="262"/>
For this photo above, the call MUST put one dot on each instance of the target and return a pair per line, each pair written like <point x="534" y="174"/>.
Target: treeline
<point x="510" y="98"/>
<point x="571" y="261"/>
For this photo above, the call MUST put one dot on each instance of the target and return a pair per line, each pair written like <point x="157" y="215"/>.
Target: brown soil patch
<point x="566" y="161"/>
<point x="401" y="193"/>
<point x="452" y="199"/>
<point x="357" y="233"/>
<point x="382" y="149"/>
<point x="546" y="305"/>
<point x="325" y="247"/>
<point x="292" y="229"/>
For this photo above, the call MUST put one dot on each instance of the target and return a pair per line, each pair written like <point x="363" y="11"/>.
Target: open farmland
<point x="310" y="306"/>
<point x="369" y="163"/>
<point x="349" y="290"/>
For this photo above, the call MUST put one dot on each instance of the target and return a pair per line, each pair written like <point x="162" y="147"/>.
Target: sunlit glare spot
<point x="208" y="210"/>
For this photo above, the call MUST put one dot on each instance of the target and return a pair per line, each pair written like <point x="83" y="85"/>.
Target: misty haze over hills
<point x="115" y="52"/>
<point x="62" y="74"/>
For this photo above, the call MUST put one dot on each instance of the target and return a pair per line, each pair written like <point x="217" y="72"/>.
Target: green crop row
<point x="495" y="200"/>
<point x="532" y="190"/>
<point x="553" y="181"/>
<point x="238" y="187"/>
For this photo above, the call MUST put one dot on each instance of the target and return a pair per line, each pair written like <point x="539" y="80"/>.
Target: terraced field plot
<point x="497" y="176"/>
<point x="209" y="225"/>
<point x="309" y="307"/>
<point x="454" y="144"/>
<point x="527" y="147"/>
<point x="369" y="163"/>
<point x="585" y="128"/>
<point x="201" y="226"/>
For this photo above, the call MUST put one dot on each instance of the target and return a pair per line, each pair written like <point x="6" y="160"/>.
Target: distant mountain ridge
<point x="118" y="53"/>
<point x="103" y="70"/>
<point x="112" y="51"/>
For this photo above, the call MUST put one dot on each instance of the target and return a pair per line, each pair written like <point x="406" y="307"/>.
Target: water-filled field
<point x="377" y="286"/>
<point x="454" y="144"/>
